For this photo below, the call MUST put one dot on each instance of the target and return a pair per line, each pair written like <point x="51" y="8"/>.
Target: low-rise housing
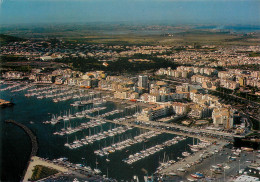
<point x="13" y="75"/>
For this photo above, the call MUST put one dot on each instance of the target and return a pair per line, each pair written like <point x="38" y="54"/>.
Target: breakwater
<point x="33" y="141"/>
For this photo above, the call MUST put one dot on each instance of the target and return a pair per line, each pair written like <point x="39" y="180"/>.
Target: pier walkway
<point x="130" y="122"/>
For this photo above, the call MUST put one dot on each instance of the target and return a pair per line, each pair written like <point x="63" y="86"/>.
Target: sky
<point x="245" y="12"/>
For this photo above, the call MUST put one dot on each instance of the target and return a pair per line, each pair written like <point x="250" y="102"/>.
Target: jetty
<point x="33" y="141"/>
<point x="152" y="125"/>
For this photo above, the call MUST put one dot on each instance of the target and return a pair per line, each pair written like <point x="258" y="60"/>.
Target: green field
<point x="178" y="39"/>
<point x="134" y="35"/>
<point x="40" y="172"/>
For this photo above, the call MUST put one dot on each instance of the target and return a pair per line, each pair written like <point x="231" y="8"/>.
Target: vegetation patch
<point x="254" y="54"/>
<point x="122" y="65"/>
<point x="12" y="58"/>
<point x="40" y="172"/>
<point x="5" y="39"/>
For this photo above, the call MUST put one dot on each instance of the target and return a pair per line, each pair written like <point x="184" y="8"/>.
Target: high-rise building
<point x="143" y="81"/>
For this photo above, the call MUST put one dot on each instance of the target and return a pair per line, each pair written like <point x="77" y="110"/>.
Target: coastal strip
<point x="33" y="141"/>
<point x="4" y="103"/>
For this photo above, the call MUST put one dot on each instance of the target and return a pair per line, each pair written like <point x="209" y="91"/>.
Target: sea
<point x="233" y="28"/>
<point x="32" y="112"/>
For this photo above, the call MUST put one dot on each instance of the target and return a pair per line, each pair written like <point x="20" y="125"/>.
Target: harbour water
<point x="32" y="112"/>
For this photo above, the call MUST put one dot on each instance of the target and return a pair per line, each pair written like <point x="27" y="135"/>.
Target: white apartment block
<point x="229" y="84"/>
<point x="223" y="117"/>
<point x="149" y="114"/>
<point x="180" y="108"/>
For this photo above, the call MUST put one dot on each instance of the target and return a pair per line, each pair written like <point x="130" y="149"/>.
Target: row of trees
<point x="9" y="58"/>
<point x="239" y="93"/>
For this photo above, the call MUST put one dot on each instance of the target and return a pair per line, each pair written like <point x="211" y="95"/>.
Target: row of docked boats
<point x="63" y="96"/>
<point x="90" y="100"/>
<point x="59" y="94"/>
<point x="96" y="137"/>
<point x="10" y="87"/>
<point x="185" y="154"/>
<point x="94" y="101"/>
<point x="152" y="150"/>
<point x="123" y="119"/>
<point x="46" y="91"/>
<point x="39" y="89"/>
<point x="199" y="146"/>
<point x="90" y="124"/>
<point x="64" y="162"/>
<point x="111" y="113"/>
<point x="68" y="116"/>
<point x="164" y="165"/>
<point x="76" y="94"/>
<point x="126" y="143"/>
<point x="22" y="88"/>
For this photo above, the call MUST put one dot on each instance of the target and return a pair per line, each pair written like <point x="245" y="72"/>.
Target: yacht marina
<point x="68" y="116"/>
<point x="97" y="137"/>
<point x="10" y="87"/>
<point x="22" y="88"/>
<point x="126" y="143"/>
<point x="78" y="117"/>
<point x="69" y="130"/>
<point x="152" y="150"/>
<point x="59" y="94"/>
